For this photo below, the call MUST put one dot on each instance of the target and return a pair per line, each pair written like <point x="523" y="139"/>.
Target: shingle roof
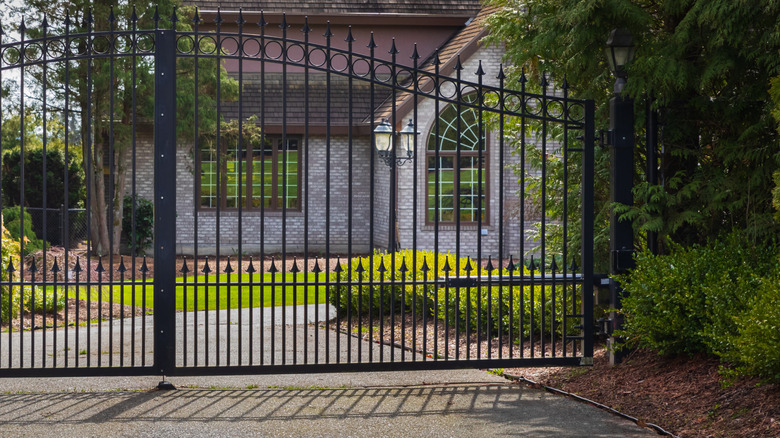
<point x="427" y="7"/>
<point x="296" y="99"/>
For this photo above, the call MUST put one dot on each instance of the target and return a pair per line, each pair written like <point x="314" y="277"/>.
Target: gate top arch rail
<point x="422" y="80"/>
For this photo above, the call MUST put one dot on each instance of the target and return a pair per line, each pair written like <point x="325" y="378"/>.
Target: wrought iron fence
<point x="317" y="206"/>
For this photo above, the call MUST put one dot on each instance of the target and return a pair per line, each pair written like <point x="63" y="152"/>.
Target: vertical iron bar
<point x="44" y="206"/>
<point x="372" y="196"/>
<point x="283" y="149"/>
<point x="22" y="58"/>
<point x="197" y="202"/>
<point x="587" y="228"/>
<point x="262" y="23"/>
<point x="543" y="258"/>
<point x="164" y="201"/>
<point x="350" y="150"/>
<point x="328" y="64"/>
<point x="305" y="205"/>
<point x="565" y="218"/>
<point x="111" y="188"/>
<point x="481" y="156"/>
<point x="133" y="249"/>
<point x="501" y="287"/>
<point x="415" y="190"/>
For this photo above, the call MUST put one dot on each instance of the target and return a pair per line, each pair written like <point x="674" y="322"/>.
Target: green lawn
<point x="207" y="295"/>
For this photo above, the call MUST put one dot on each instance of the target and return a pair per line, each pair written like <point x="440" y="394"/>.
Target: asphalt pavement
<point x="452" y="403"/>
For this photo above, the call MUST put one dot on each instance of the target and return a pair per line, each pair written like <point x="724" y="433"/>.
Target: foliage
<point x="13" y="223"/>
<point x="708" y="299"/>
<point x="710" y="82"/>
<point x="467" y="308"/>
<point x="143" y="229"/>
<point x="33" y="179"/>
<point x="118" y="94"/>
<point x="38" y="301"/>
<point x="757" y="346"/>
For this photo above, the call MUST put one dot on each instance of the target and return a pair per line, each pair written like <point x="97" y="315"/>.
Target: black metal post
<point x="652" y="162"/>
<point x="165" y="201"/>
<point x="621" y="125"/>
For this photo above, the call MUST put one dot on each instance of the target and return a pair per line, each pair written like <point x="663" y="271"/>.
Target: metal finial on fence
<point x="349" y="37"/>
<point x="228" y="267"/>
<point x="44" y="23"/>
<point x="184" y="268"/>
<point x="306" y="29"/>
<point x="468" y="267"/>
<point x="156" y="17"/>
<point x="316" y="269"/>
<point x="10" y="267"/>
<point x="144" y="267"/>
<point x="523" y="79"/>
<point x="206" y="268"/>
<point x="425" y="267"/>
<point x="327" y="33"/>
<point x="218" y="18"/>
<point x="174" y="18"/>
<point x="489" y="265"/>
<point x="382" y="267"/>
<point x="360" y="269"/>
<point x="532" y="266"/>
<point x="500" y="76"/>
<point x="480" y="72"/>
<point x="511" y="266"/>
<point x="134" y="16"/>
<point x="283" y="24"/>
<point x="565" y="84"/>
<point x="22" y="27"/>
<point x="240" y="20"/>
<point x="458" y="65"/>
<point x="403" y="267"/>
<point x="393" y="50"/>
<point x="415" y="54"/>
<point x="544" y="82"/>
<point x="273" y="268"/>
<point x="196" y="19"/>
<point x="56" y="267"/>
<point x="261" y="22"/>
<point x="294" y="269"/>
<point x="122" y="268"/>
<point x="371" y="43"/>
<point x="553" y="265"/>
<point x="574" y="266"/>
<point x="111" y="17"/>
<point x="100" y="267"/>
<point x="338" y="269"/>
<point x="77" y="266"/>
<point x="251" y="268"/>
<point x="33" y="267"/>
<point x="447" y="267"/>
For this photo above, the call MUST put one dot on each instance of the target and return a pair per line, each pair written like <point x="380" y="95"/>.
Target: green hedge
<point x="468" y="307"/>
<point x="711" y="299"/>
<point x="13" y="223"/>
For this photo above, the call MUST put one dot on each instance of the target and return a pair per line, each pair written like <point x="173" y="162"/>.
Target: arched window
<point x="456" y="156"/>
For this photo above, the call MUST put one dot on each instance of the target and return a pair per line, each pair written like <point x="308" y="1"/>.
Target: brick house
<point x="323" y="188"/>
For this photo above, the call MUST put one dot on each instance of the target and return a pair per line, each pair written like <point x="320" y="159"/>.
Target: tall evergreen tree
<point x="708" y="66"/>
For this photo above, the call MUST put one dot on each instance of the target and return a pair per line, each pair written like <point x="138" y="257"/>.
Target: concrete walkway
<point x="467" y="403"/>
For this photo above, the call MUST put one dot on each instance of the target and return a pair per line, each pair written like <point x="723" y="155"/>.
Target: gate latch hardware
<point x="462" y="282"/>
<point x="605" y="326"/>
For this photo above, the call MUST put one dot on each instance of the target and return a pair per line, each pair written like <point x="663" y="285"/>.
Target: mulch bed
<point x="77" y="311"/>
<point x="687" y="396"/>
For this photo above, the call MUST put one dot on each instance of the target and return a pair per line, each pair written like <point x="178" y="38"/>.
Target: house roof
<point x="466" y="8"/>
<point x="463" y="45"/>
<point x="340" y="96"/>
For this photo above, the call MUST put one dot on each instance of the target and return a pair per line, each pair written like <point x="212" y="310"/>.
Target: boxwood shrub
<point x="360" y="290"/>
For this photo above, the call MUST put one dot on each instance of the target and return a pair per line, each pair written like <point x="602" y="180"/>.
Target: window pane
<point x="446" y="188"/>
<point x="287" y="190"/>
<point x="208" y="179"/>
<point x="469" y="187"/>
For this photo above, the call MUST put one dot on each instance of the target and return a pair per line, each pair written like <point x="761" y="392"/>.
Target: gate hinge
<point x="604" y="326"/>
<point x="586" y="361"/>
<point x="462" y="282"/>
<point x="622" y="260"/>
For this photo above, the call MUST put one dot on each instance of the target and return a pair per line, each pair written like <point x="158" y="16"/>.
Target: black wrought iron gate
<point x="318" y="206"/>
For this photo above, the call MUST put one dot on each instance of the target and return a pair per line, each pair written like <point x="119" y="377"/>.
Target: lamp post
<point x="395" y="149"/>
<point x="620" y="51"/>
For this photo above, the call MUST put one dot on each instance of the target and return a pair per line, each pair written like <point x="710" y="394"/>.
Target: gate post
<point x="164" y="201"/>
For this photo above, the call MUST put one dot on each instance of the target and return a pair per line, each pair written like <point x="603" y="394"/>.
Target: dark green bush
<point x="711" y="299"/>
<point x="757" y="346"/>
<point x="144" y="223"/>
<point x="469" y="308"/>
<point x="33" y="179"/>
<point x="13" y="223"/>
